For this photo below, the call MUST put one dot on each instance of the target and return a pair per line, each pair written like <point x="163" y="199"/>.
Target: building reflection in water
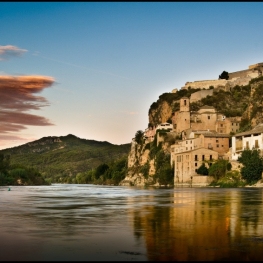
<point x="202" y="224"/>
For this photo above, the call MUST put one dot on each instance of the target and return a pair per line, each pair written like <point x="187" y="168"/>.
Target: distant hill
<point x="65" y="155"/>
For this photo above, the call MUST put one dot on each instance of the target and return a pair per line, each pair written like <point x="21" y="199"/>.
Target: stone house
<point x="197" y="148"/>
<point x="185" y="163"/>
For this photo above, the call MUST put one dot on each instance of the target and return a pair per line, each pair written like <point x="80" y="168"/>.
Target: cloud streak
<point x="17" y="96"/>
<point x="9" y="51"/>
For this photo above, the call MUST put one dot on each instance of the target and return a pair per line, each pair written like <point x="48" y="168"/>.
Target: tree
<point x="252" y="165"/>
<point x="218" y="169"/>
<point x="202" y="170"/>
<point x="100" y="170"/>
<point x="224" y="75"/>
<point x="139" y="136"/>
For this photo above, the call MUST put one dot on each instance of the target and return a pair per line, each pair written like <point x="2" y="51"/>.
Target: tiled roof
<point x="212" y="134"/>
<point x="257" y="129"/>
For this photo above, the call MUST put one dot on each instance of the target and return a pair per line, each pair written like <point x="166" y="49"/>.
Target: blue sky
<point x="111" y="61"/>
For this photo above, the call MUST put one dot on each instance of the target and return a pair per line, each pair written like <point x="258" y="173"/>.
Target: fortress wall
<point x="200" y="94"/>
<point x="239" y="74"/>
<point x="205" y="84"/>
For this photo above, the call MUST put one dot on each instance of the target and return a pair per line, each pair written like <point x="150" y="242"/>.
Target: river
<point x="88" y="222"/>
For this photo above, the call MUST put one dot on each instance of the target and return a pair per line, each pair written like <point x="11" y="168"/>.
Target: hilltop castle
<point x="240" y="78"/>
<point x="205" y="134"/>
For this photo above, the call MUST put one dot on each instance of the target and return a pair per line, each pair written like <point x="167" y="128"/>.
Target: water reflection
<point x="204" y="224"/>
<point x="87" y="222"/>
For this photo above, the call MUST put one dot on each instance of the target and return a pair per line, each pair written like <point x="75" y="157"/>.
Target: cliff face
<point x="243" y="101"/>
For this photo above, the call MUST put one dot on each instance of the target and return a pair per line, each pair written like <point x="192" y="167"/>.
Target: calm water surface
<point x="87" y="222"/>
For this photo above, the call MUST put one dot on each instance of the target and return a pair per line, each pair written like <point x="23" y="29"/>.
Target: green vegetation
<point x="252" y="165"/>
<point x="108" y="174"/>
<point x="202" y="169"/>
<point x="172" y="99"/>
<point x="251" y="170"/>
<point x="164" y="172"/>
<point x="218" y="169"/>
<point x="18" y="174"/>
<point x="224" y="177"/>
<point x="139" y="137"/>
<point x="60" y="159"/>
<point x="230" y="179"/>
<point x="224" y="75"/>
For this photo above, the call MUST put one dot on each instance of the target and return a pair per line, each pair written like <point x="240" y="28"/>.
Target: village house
<point x="252" y="139"/>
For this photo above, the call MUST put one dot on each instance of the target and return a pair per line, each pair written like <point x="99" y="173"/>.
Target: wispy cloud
<point x="9" y="51"/>
<point x="37" y="53"/>
<point x="17" y="95"/>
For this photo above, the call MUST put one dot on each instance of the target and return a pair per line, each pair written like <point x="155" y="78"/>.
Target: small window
<point x="208" y="117"/>
<point x="217" y="145"/>
<point x="195" y="164"/>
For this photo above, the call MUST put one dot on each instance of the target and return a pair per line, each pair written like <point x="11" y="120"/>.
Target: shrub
<point x="252" y="165"/>
<point x="202" y="170"/>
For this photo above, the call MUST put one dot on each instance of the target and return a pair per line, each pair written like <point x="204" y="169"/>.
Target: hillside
<point x="244" y="101"/>
<point x="58" y="157"/>
<point x="150" y="165"/>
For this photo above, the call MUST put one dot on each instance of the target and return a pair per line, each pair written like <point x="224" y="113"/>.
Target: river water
<point x="88" y="222"/>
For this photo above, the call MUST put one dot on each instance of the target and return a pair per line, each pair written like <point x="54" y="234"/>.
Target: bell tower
<point x="184" y="104"/>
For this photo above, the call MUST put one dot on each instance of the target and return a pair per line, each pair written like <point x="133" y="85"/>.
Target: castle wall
<point x="205" y="84"/>
<point x="200" y="94"/>
<point x="239" y="74"/>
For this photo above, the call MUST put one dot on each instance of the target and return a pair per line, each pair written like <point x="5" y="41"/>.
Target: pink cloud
<point x="17" y="95"/>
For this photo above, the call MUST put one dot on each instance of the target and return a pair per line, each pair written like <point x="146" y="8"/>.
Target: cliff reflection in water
<point x="203" y="224"/>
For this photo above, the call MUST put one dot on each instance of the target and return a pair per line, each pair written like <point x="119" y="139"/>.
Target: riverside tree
<point x="252" y="165"/>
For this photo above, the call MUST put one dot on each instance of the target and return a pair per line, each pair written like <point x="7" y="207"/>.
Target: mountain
<point x="64" y="156"/>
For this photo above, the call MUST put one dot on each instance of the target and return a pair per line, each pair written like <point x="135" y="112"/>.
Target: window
<point x="185" y="102"/>
<point x="256" y="144"/>
<point x="217" y="145"/>
<point x="203" y="157"/>
<point x="208" y="117"/>
<point x="196" y="158"/>
<point x="211" y="157"/>
<point x="247" y="145"/>
<point x="216" y="140"/>
<point x="221" y="125"/>
<point x="195" y="164"/>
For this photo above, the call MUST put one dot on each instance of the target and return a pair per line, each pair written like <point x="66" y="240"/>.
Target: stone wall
<point x="200" y="94"/>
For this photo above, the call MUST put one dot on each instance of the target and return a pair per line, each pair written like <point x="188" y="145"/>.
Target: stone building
<point x="197" y="147"/>
<point x="240" y="78"/>
<point x="206" y="118"/>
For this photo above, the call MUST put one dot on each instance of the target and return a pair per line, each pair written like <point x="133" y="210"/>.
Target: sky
<point x="93" y="69"/>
